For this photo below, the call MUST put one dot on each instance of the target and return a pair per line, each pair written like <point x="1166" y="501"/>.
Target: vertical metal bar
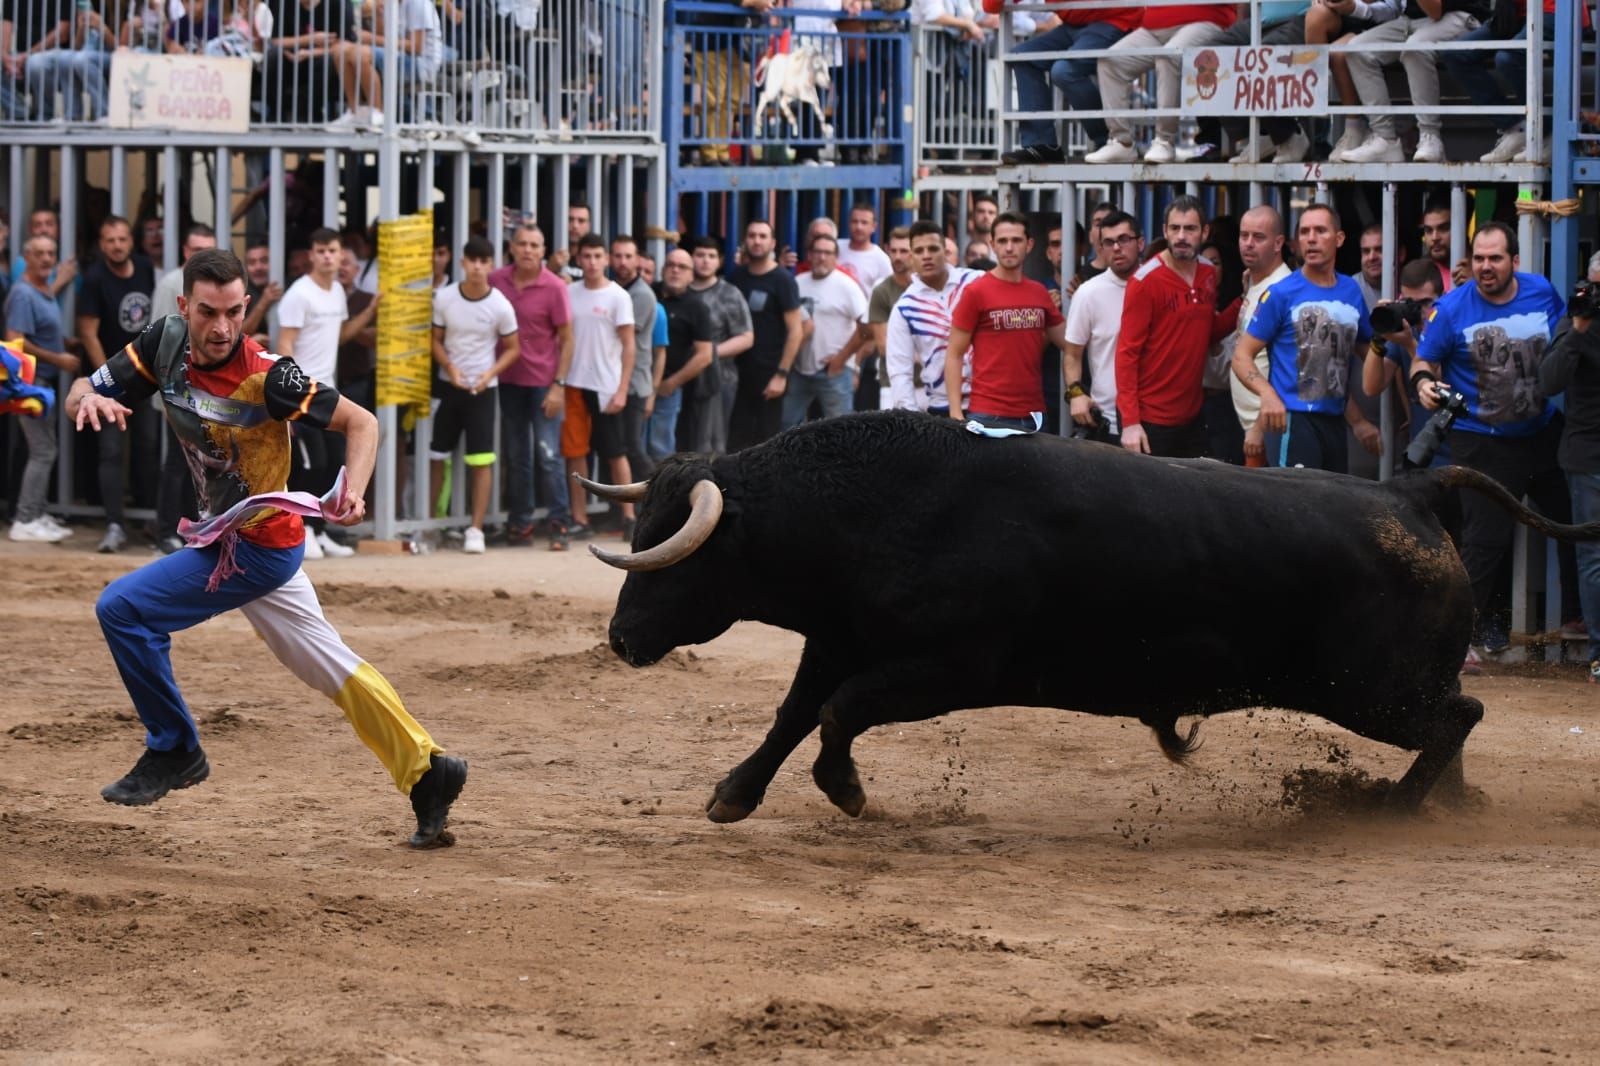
<point x="222" y="182"/>
<point x="593" y="166"/>
<point x="460" y="208"/>
<point x="1386" y="416"/>
<point x="390" y="175"/>
<point x="1458" y="224"/>
<point x="425" y="179"/>
<point x="625" y="216"/>
<point x="1069" y="268"/>
<point x="495" y="211"/>
<point x="1532" y="124"/>
<point x="14" y="202"/>
<point x="1564" y="265"/>
<point x="330" y="188"/>
<point x="555" y="236"/>
<point x="656" y="176"/>
<point x="119" y="180"/>
<point x="530" y="186"/>
<point x="67" y="248"/>
<point x="276" y="210"/>
<point x="171" y="180"/>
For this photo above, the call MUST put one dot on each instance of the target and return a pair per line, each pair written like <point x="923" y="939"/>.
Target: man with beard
<point x="230" y="404"/>
<point x="264" y="293"/>
<point x="774" y="301"/>
<point x="1094" y="322"/>
<point x="679" y="392"/>
<point x="113" y="309"/>
<point x="1169" y="323"/>
<point x="732" y="334"/>
<point x="1520" y="452"/>
<point x="1311" y="323"/>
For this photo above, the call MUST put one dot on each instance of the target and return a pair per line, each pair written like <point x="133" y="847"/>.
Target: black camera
<point x="1095" y="430"/>
<point x="1422" y="449"/>
<point x="1390" y="317"/>
<point x="1585" y="302"/>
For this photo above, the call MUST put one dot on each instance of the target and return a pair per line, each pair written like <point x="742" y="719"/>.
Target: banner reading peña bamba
<point x="206" y="94"/>
<point x="1244" y="81"/>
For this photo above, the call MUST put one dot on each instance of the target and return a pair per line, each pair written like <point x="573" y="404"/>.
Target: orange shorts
<point x="575" y="425"/>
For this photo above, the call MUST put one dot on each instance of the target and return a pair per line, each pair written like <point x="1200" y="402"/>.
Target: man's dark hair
<point x="624" y="238"/>
<point x="1118" y="218"/>
<point x="1103" y="205"/>
<point x="862" y="205"/>
<point x="114" y="220"/>
<point x="1009" y="218"/>
<point x="757" y="221"/>
<point x="1437" y="205"/>
<point x="199" y="229"/>
<point x="984" y="198"/>
<point x="1499" y="227"/>
<point x="477" y="248"/>
<point x="819" y="238"/>
<point x="1420" y="272"/>
<point x="216" y="265"/>
<point x="591" y="240"/>
<point x="1182" y="205"/>
<point x="1374" y="227"/>
<point x="704" y="240"/>
<point x="1333" y="214"/>
<point x="901" y="233"/>
<point x="926" y="227"/>
<point x="324" y="235"/>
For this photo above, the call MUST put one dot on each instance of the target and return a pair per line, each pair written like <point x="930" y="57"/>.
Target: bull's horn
<point x="705" y="509"/>
<point x="631" y="493"/>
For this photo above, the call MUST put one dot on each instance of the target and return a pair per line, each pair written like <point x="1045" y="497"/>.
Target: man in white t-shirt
<point x="313" y="320"/>
<point x="1261" y="248"/>
<point x="596" y="385"/>
<point x="862" y="259"/>
<point x="919" y="324"/>
<point x="823" y="371"/>
<point x="474" y="339"/>
<point x="1094" y="320"/>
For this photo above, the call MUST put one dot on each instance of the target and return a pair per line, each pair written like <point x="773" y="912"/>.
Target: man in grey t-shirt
<point x="732" y="333"/>
<point x="642" y="385"/>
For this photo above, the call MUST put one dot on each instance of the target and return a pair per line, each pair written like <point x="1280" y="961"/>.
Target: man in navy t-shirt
<point x="1486" y="340"/>
<point x="1312" y="323"/>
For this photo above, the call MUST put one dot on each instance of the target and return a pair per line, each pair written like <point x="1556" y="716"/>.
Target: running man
<point x="229" y="404"/>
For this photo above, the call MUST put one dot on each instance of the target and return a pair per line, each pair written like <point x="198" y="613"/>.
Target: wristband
<point x="1075" y="390"/>
<point x="1378" y="347"/>
<point x="781" y="372"/>
<point x="1422" y="375"/>
<point x="560" y="383"/>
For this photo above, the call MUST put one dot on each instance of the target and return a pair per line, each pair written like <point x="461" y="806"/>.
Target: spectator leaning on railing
<point x="1075" y="30"/>
<point x="1495" y="79"/>
<point x="362" y="62"/>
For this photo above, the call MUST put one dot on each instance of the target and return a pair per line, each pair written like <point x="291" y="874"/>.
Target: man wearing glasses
<point x="1094" y="320"/>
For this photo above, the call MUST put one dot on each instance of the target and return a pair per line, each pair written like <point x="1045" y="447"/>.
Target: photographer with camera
<point x="1486" y="340"/>
<point x="1396" y="325"/>
<point x="1572" y="365"/>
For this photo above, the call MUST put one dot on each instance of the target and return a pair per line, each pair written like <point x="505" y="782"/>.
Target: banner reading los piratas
<point x="209" y="94"/>
<point x="1243" y="81"/>
<point x="405" y="310"/>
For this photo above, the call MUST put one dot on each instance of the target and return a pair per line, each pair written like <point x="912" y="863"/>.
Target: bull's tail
<point x="1173" y="746"/>
<point x="1466" y="478"/>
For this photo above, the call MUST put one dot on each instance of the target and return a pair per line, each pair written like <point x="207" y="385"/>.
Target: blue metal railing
<point x="788" y="86"/>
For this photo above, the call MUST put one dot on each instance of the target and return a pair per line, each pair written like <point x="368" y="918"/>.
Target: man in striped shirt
<point x="919" y="325"/>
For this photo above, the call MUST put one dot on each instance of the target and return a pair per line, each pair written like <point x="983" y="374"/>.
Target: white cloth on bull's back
<point x="1246" y="404"/>
<point x="1094" y="319"/>
<point x="837" y="307"/>
<point x="597" y="314"/>
<point x="918" y="334"/>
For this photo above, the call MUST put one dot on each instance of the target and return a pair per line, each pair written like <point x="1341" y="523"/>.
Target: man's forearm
<point x="360" y="453"/>
<point x="89" y="336"/>
<point x="792" y="340"/>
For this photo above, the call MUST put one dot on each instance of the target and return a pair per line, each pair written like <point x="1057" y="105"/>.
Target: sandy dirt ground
<point x="1026" y="886"/>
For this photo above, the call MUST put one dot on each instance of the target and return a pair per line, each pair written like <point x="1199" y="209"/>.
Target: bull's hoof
<point x="726" y="806"/>
<point x="844" y="790"/>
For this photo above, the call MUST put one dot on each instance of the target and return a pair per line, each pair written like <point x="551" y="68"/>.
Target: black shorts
<point x="586" y="429"/>
<point x="463" y="412"/>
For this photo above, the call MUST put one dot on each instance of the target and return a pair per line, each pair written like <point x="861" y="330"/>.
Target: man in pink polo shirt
<point x="531" y="399"/>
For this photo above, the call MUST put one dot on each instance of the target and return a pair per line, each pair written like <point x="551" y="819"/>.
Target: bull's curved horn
<point x="631" y="493"/>
<point x="705" y="510"/>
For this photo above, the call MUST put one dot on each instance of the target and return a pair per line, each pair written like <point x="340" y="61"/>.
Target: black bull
<point x="931" y="570"/>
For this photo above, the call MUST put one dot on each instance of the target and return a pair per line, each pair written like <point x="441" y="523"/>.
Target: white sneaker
<point x="1544" y="154"/>
<point x="472" y="541"/>
<point x="115" y="540"/>
<point x="344" y="123"/>
<point x="52" y="522"/>
<point x="35" y="532"/>
<point x="375" y="119"/>
<point x="1376" y="149"/>
<point x="1511" y="144"/>
<point x="1113" y="151"/>
<point x="1354" y="133"/>
<point x="1160" y="151"/>
<point x="1293" y="150"/>
<point x="1253" y="151"/>
<point x="313" y="549"/>
<point x="332" y="548"/>
<point x="1430" y="149"/>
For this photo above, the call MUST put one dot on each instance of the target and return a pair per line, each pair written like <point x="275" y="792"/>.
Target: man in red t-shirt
<point x="1005" y="319"/>
<point x="1169" y="323"/>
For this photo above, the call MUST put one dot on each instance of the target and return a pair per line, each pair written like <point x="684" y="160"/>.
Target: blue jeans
<point x="72" y="73"/>
<point x="836" y="394"/>
<point x="524" y="429"/>
<point x="141" y="610"/>
<point x="1503" y="82"/>
<point x="661" y="431"/>
<point x="1075" y="77"/>
<point x="1585" y="489"/>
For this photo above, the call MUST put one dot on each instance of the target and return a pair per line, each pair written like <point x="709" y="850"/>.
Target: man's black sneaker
<point x="580" y="531"/>
<point x="157" y="773"/>
<point x="519" y="536"/>
<point x="432" y="795"/>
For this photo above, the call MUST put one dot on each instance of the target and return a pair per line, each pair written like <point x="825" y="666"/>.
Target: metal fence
<point x="958" y="97"/>
<point x="792" y="85"/>
<point x="522" y="68"/>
